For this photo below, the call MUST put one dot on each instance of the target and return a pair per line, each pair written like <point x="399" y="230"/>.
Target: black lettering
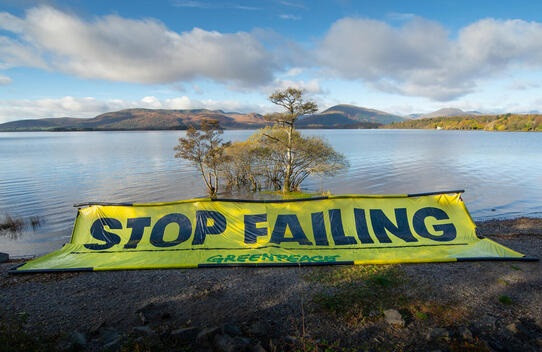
<point x="361" y="226"/>
<point x="291" y="221"/>
<point x="319" y="229"/>
<point x="138" y="227"/>
<point x="202" y="229"/>
<point x="447" y="231"/>
<point x="337" y="230"/>
<point x="98" y="232"/>
<point x="381" y="223"/>
<point x="185" y="230"/>
<point x="251" y="231"/>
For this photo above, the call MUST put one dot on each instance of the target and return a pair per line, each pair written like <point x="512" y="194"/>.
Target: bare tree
<point x="291" y="99"/>
<point x="205" y="149"/>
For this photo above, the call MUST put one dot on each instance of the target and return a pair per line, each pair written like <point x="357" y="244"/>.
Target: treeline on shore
<point x="506" y="122"/>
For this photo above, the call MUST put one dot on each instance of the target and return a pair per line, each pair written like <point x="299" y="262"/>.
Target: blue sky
<point x="82" y="58"/>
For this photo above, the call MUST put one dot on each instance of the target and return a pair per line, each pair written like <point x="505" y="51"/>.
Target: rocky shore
<point x="468" y="306"/>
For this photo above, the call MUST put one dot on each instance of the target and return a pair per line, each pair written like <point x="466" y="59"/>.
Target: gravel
<point x="277" y="301"/>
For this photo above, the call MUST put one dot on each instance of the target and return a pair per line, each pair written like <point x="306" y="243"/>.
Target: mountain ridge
<point x="446" y="112"/>
<point x="338" y="116"/>
<point x="348" y="116"/>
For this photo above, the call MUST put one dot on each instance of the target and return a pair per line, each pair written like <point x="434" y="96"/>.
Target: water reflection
<point x="12" y="228"/>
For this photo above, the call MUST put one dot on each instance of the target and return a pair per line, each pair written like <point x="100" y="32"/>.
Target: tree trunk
<point x="289" y="161"/>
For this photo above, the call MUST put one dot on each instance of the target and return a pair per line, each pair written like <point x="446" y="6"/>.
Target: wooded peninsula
<point x="506" y="122"/>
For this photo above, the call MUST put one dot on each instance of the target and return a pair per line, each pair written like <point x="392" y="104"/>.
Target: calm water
<point x="44" y="174"/>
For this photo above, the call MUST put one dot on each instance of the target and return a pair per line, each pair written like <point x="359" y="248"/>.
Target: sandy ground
<point x="477" y="306"/>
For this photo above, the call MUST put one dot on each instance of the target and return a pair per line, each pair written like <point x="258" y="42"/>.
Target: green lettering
<point x="293" y="258"/>
<point x="268" y="256"/>
<point x="215" y="259"/>
<point x="229" y="258"/>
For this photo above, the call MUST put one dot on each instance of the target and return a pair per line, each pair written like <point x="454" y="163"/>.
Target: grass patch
<point x="504" y="299"/>
<point x="437" y="314"/>
<point x="359" y="292"/>
<point x="420" y="316"/>
<point x="337" y="275"/>
<point x="14" y="338"/>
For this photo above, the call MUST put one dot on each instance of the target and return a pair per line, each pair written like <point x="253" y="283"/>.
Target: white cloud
<point x="4" y="80"/>
<point x="312" y="86"/>
<point x="422" y="59"/>
<point x="151" y="102"/>
<point x="294" y="71"/>
<point x="287" y="16"/>
<point x="213" y="5"/>
<point x="14" y="53"/>
<point x="121" y="49"/>
<point x="68" y="106"/>
<point x="293" y="4"/>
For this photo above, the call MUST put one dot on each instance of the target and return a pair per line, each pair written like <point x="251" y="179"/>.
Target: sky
<point x="82" y="58"/>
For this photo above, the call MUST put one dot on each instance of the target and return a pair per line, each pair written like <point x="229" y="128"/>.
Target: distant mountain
<point x="140" y="119"/>
<point x="348" y="116"/>
<point x="445" y="112"/>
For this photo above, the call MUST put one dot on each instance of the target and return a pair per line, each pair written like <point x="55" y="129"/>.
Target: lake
<point x="44" y="173"/>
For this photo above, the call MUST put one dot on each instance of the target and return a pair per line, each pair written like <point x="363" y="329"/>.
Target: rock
<point x="110" y="338"/>
<point x="487" y="322"/>
<point x="512" y="328"/>
<point x="258" y="328"/>
<point x="4" y="257"/>
<point x="113" y="345"/>
<point x="78" y="339"/>
<point x="291" y="340"/>
<point x="143" y="330"/>
<point x="96" y="327"/>
<point x="232" y="330"/>
<point x="393" y="317"/>
<point x="465" y="334"/>
<point x="437" y="334"/>
<point x="153" y="312"/>
<point x="143" y="318"/>
<point x="185" y="335"/>
<point x="497" y="346"/>
<point x="256" y="348"/>
<point x="224" y="343"/>
<point x="206" y="336"/>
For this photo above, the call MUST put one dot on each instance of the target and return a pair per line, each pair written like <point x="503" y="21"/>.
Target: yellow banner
<point x="348" y="229"/>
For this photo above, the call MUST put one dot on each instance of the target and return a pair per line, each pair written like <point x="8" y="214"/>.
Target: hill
<point x="339" y="116"/>
<point x="139" y="119"/>
<point x="506" y="122"/>
<point x="445" y="112"/>
<point x="348" y="116"/>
